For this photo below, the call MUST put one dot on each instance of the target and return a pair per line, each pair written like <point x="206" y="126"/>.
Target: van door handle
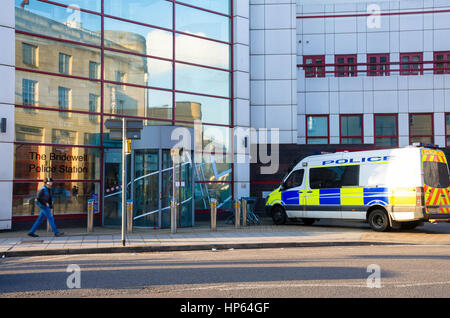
<point x="309" y="191"/>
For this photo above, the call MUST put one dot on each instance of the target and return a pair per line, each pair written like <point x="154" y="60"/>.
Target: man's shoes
<point x="33" y="235"/>
<point x="59" y="234"/>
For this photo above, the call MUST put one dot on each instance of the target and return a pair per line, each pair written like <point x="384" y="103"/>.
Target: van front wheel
<point x="379" y="221"/>
<point x="278" y="215"/>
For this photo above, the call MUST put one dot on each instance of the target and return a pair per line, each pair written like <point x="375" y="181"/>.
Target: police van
<point x="391" y="188"/>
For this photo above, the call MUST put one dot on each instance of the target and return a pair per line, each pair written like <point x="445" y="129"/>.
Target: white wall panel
<point x="278" y="42"/>
<point x="351" y="102"/>
<point x="385" y="102"/>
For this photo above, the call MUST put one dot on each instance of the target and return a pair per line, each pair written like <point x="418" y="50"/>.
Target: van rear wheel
<point x="379" y="221"/>
<point x="278" y="215"/>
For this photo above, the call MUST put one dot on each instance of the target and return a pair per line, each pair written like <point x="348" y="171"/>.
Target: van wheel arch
<point x="373" y="208"/>
<point x="380" y="213"/>
<point x="278" y="213"/>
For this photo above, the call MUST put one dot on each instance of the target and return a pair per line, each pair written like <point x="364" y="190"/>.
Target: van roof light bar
<point x="421" y="144"/>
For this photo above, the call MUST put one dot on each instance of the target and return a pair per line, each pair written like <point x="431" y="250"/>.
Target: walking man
<point x="45" y="203"/>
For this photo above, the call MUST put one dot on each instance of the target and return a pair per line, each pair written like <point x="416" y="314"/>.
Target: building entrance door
<point x="151" y="189"/>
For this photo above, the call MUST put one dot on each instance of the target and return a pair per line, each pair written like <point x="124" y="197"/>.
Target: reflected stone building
<point x="67" y="83"/>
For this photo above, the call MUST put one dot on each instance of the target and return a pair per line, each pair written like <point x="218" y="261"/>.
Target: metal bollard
<point x="90" y="216"/>
<point x="173" y="217"/>
<point x="213" y="215"/>
<point x="244" y="212"/>
<point x="237" y="214"/>
<point x="130" y="216"/>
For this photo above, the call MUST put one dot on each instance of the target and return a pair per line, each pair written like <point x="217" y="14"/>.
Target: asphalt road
<point x="405" y="271"/>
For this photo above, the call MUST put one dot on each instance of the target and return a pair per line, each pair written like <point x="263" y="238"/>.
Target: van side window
<point x="334" y="177"/>
<point x="295" y="179"/>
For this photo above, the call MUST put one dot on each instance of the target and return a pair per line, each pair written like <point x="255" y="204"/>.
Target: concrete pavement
<point x="108" y="240"/>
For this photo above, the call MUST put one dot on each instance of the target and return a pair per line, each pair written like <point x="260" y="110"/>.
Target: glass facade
<point x="421" y="128"/>
<point x="351" y="129"/>
<point x="317" y="129"/>
<point x="386" y="131"/>
<point x="81" y="62"/>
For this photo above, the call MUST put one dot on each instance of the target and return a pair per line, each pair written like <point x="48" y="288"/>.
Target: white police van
<point x="390" y="188"/>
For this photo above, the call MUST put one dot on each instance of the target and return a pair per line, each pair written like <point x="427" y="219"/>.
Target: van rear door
<point x="436" y="183"/>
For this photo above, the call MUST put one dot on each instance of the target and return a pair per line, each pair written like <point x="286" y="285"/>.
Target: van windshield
<point x="436" y="174"/>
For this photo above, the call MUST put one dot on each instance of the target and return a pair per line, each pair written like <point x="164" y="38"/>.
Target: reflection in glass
<point x="312" y="141"/>
<point x="146" y="187"/>
<point x="39" y="126"/>
<point x="351" y="126"/>
<point x="421" y="124"/>
<point x="202" y="23"/>
<point x="217" y="139"/>
<point x="204" y="192"/>
<point x="385" y="142"/>
<point x="202" y="80"/>
<point x="222" y="6"/>
<point x="33" y="89"/>
<point x="57" y="57"/>
<point x="210" y="110"/>
<point x="58" y="22"/>
<point x="317" y="126"/>
<point x="154" y="12"/>
<point x="92" y="5"/>
<point x="132" y="37"/>
<point x="69" y="197"/>
<point x="137" y="101"/>
<point x="138" y="70"/>
<point x="195" y="50"/>
<point x="385" y="125"/>
<point x="213" y="167"/>
<point x="423" y="139"/>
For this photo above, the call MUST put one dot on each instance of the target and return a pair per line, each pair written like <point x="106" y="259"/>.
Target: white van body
<point x="408" y="184"/>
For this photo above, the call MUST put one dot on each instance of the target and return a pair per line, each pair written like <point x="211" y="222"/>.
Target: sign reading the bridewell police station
<point x="58" y="162"/>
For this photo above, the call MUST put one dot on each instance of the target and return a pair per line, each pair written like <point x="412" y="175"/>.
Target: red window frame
<point x="346" y="68"/>
<point x="385" y="136"/>
<point x="409" y="127"/>
<point x="407" y="68"/>
<point x="317" y="137"/>
<point x="317" y="65"/>
<point x="445" y="67"/>
<point x="361" y="136"/>
<point x="378" y="68"/>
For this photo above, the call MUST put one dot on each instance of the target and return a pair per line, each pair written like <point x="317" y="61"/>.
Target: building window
<point x="314" y="65"/>
<point x="63" y="100"/>
<point x="346" y="65"/>
<point x="411" y="63"/>
<point x="64" y="63"/>
<point x="441" y="62"/>
<point x="29" y="92"/>
<point x="351" y="129"/>
<point x="29" y="54"/>
<point x="317" y="129"/>
<point x="94" y="70"/>
<point x="386" y="132"/>
<point x="93" y="106"/>
<point x="120" y="77"/>
<point x="377" y="64"/>
<point x="421" y="128"/>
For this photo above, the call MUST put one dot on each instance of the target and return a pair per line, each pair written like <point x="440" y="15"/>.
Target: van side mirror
<point x="282" y="186"/>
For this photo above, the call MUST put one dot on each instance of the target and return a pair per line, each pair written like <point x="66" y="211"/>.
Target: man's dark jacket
<point x="44" y="196"/>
